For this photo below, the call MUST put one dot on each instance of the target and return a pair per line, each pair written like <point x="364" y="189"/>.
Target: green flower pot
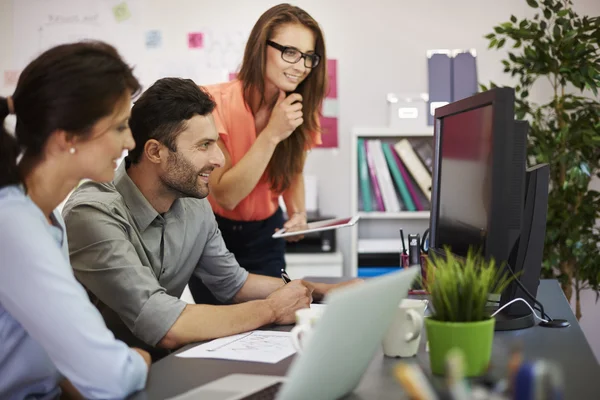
<point x="473" y="338"/>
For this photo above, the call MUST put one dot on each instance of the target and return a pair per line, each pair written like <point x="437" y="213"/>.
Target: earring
<point x="72" y="150"/>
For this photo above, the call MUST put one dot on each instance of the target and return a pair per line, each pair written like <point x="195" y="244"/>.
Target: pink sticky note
<point x="329" y="134"/>
<point x="11" y="77"/>
<point x="232" y="76"/>
<point x="195" y="40"/>
<point x="331" y="79"/>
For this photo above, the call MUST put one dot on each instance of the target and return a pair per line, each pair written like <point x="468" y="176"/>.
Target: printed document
<point x="258" y="346"/>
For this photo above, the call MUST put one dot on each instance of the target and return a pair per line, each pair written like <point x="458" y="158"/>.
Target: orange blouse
<point x="237" y="129"/>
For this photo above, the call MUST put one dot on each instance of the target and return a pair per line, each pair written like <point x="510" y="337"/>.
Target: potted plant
<point x="558" y="46"/>
<point x="459" y="289"/>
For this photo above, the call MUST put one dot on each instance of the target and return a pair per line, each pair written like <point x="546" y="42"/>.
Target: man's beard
<point x="181" y="177"/>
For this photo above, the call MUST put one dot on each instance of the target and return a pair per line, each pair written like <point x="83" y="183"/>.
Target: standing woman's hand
<point x="285" y="117"/>
<point x="296" y="222"/>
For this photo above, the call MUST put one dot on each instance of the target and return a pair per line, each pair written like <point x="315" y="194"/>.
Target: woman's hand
<point x="285" y="117"/>
<point x="296" y="222"/>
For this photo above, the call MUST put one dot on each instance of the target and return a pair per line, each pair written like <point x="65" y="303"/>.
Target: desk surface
<point x="567" y="346"/>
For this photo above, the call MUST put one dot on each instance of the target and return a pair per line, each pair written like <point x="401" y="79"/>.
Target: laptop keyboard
<point x="268" y="393"/>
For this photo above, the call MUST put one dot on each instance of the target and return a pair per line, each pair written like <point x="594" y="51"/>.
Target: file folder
<point x="464" y="74"/>
<point x="439" y="73"/>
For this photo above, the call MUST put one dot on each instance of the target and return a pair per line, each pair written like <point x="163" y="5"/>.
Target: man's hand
<point x="321" y="289"/>
<point x="289" y="298"/>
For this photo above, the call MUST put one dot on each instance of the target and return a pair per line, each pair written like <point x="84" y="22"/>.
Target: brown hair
<point x="287" y="160"/>
<point x="161" y="113"/>
<point x="68" y="87"/>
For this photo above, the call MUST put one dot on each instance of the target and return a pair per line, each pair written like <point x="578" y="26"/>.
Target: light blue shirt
<point x="48" y="327"/>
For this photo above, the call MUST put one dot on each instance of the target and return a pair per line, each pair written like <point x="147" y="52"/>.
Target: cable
<point x="526" y="303"/>
<point x="424" y="241"/>
<point x="535" y="301"/>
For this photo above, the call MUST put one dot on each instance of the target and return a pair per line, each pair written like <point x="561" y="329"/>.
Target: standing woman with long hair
<point x="267" y="120"/>
<point x="72" y="104"/>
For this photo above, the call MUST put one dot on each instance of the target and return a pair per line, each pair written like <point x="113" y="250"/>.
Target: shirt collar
<point x="142" y="211"/>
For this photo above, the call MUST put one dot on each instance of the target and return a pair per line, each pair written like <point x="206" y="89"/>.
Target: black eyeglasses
<point x="293" y="55"/>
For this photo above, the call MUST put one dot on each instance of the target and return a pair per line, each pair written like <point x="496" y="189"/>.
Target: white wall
<point x="380" y="46"/>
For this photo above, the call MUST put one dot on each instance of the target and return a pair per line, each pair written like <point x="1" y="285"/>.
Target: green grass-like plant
<point x="459" y="287"/>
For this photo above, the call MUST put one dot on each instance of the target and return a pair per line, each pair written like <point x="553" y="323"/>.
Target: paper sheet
<point x="321" y="307"/>
<point x="258" y="346"/>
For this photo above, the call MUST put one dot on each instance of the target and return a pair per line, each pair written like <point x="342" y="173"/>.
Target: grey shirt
<point x="136" y="263"/>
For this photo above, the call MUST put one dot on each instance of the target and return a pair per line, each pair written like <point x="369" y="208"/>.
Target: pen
<point x="455" y="379"/>
<point x="524" y="384"/>
<point x="285" y="276"/>
<point x="414" y="382"/>
<point x="402" y="239"/>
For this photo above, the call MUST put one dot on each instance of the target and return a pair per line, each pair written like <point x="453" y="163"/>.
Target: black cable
<point x="424" y="248"/>
<point x="535" y="301"/>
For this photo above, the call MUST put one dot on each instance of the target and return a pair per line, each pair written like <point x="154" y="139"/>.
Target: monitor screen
<point x="465" y="180"/>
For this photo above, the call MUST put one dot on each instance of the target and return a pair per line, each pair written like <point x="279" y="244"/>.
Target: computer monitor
<point x="478" y="187"/>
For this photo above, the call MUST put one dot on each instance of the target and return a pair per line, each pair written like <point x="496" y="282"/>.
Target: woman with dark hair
<point x="267" y="120"/>
<point x="71" y="104"/>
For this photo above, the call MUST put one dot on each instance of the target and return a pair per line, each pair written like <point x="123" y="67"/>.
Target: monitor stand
<point x="507" y="322"/>
<point x="527" y="254"/>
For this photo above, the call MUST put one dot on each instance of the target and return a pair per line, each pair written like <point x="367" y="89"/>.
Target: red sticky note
<point x="195" y="40"/>
<point x="331" y="79"/>
<point x="11" y="77"/>
<point x="329" y="132"/>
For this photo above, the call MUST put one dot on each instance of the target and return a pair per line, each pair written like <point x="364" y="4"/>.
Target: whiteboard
<point x="41" y="24"/>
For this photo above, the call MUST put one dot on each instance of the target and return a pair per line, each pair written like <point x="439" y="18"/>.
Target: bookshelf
<point x="378" y="231"/>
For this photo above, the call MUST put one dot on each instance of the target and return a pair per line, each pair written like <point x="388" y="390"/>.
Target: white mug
<point x="404" y="333"/>
<point x="306" y="319"/>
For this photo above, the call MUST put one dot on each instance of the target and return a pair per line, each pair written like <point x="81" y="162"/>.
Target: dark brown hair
<point x="287" y="160"/>
<point x="68" y="87"/>
<point x="161" y="112"/>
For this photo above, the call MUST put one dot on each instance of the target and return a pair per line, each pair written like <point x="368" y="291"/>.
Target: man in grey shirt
<point x="135" y="243"/>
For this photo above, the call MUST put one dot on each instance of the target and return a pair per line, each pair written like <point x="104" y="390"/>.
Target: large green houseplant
<point x="459" y="289"/>
<point x="558" y="46"/>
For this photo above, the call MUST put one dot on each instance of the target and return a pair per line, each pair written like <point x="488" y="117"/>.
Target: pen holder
<point x="404" y="260"/>
<point x="405" y="263"/>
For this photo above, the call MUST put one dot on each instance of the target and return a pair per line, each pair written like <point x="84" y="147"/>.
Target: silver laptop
<point x="340" y="350"/>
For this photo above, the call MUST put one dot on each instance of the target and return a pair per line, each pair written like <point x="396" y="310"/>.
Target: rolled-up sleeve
<point x="38" y="289"/>
<point x="106" y="262"/>
<point x="217" y="267"/>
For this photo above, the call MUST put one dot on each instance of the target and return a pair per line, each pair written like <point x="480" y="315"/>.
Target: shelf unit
<point x="377" y="226"/>
<point x="300" y="265"/>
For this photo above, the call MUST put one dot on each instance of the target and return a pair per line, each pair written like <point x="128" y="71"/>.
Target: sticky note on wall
<point x="153" y="39"/>
<point x="11" y="77"/>
<point x="329" y="134"/>
<point x="330" y="109"/>
<point x="331" y="79"/>
<point x="195" y="40"/>
<point x="121" y="12"/>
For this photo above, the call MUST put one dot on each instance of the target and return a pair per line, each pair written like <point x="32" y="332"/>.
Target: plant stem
<point x="577" y="296"/>
<point x="566" y="267"/>
<point x="561" y="123"/>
